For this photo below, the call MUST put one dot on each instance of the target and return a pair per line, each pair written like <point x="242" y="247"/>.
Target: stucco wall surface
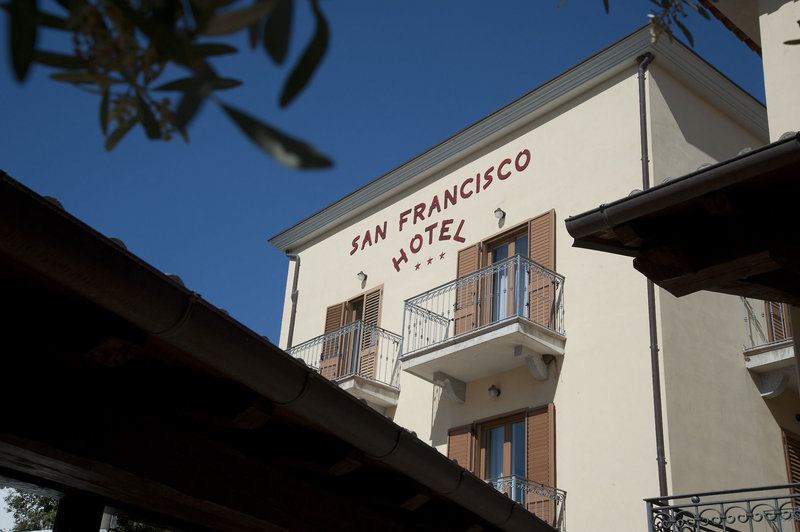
<point x="582" y="153"/>
<point x="778" y="24"/>
<point x="722" y="434"/>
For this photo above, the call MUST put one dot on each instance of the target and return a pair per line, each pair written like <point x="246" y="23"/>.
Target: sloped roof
<point x="122" y="386"/>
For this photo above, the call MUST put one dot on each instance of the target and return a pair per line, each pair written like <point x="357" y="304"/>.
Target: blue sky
<point x="398" y="77"/>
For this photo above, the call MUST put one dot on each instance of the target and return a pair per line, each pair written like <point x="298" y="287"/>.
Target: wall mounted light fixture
<point x="499" y="213"/>
<point x="494" y="391"/>
<point x="361" y="276"/>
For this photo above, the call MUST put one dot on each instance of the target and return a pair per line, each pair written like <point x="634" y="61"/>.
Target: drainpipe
<point x="644" y="61"/>
<point x="296" y="258"/>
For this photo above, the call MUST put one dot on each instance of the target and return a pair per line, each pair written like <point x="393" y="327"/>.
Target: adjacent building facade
<point x="447" y="295"/>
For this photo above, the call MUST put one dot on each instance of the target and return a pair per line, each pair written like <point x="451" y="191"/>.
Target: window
<point x="509" y="287"/>
<point x="509" y="452"/>
<point x="349" y="347"/>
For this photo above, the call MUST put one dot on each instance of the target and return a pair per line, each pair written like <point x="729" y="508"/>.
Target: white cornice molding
<point x="711" y="85"/>
<point x="616" y="58"/>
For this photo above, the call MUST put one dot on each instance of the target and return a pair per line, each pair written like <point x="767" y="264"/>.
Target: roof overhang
<point x="122" y="386"/>
<point x="731" y="227"/>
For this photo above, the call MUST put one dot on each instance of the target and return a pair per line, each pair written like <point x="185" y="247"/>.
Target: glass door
<point x="355" y="312"/>
<point x="503" y="456"/>
<point x="509" y="279"/>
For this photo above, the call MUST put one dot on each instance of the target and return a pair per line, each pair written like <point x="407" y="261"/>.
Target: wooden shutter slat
<point x="331" y="349"/>
<point x="791" y="447"/>
<point x="541" y="249"/>
<point x="460" y="446"/>
<point x="369" y="344"/>
<point x="778" y="323"/>
<point x="334" y="317"/>
<point x="541" y="448"/>
<point x="542" y="239"/>
<point x="540" y="463"/>
<point x="466" y="311"/>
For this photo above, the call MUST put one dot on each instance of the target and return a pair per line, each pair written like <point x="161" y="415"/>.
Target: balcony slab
<point x="484" y="352"/>
<point x="377" y="394"/>
<point x="770" y="357"/>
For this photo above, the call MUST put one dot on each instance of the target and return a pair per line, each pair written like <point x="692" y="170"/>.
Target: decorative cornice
<point x="612" y="60"/>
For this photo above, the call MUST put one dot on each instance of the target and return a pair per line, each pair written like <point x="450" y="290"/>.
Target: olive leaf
<point x="283" y="148"/>
<point x="278" y="29"/>
<point x="187" y="84"/>
<point x="104" y="112"/>
<point x="21" y="35"/>
<point x="54" y="59"/>
<point x="238" y="19"/>
<point x="113" y="139"/>
<point x="149" y="122"/>
<point x="211" y="48"/>
<point x="309" y="61"/>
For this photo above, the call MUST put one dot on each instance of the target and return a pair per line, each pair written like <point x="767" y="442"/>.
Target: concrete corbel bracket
<point x="772" y="383"/>
<point x="536" y="364"/>
<point x="455" y="389"/>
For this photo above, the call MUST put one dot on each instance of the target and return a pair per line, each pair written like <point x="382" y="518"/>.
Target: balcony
<point x="768" y="509"/>
<point x="546" y="502"/>
<point x="769" y="347"/>
<point x="360" y="358"/>
<point x="503" y="316"/>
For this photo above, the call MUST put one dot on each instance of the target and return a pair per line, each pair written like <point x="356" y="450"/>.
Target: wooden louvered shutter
<point x="541" y="458"/>
<point x="332" y="348"/>
<point x="778" y="323"/>
<point x="791" y="447"/>
<point x="368" y="351"/>
<point x="461" y="446"/>
<point x="466" y="310"/>
<point x="542" y="249"/>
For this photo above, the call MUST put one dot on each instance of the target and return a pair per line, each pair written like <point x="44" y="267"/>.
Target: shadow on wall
<point x="695" y="122"/>
<point x="518" y="391"/>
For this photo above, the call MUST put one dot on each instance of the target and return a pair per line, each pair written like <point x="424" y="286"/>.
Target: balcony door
<point x="482" y="299"/>
<point x="351" y="348"/>
<point x="503" y="456"/>
<point x="515" y="453"/>
<point x="509" y="283"/>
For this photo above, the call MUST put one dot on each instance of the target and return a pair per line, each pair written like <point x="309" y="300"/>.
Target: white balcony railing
<point x="357" y="349"/>
<point x="766" y="322"/>
<point x="546" y="502"/>
<point x="516" y="287"/>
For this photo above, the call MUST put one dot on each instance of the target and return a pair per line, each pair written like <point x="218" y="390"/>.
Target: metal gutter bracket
<point x="536" y="364"/>
<point x="456" y="389"/>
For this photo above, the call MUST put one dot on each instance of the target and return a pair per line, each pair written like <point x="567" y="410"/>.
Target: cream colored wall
<point x="722" y="434"/>
<point x="778" y="23"/>
<point x="714" y="415"/>
<point x="583" y="154"/>
<point x="685" y="131"/>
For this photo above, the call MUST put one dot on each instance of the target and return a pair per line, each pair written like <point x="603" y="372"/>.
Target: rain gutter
<point x="293" y="315"/>
<point x="775" y="157"/>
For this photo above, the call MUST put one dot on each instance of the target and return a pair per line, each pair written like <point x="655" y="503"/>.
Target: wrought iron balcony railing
<point x="546" y="502"/>
<point x="355" y="349"/>
<point x="768" y="509"/>
<point x="766" y="322"/>
<point x="513" y="287"/>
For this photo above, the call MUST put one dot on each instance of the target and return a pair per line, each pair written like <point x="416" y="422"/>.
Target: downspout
<point x="644" y="61"/>
<point x="293" y="314"/>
